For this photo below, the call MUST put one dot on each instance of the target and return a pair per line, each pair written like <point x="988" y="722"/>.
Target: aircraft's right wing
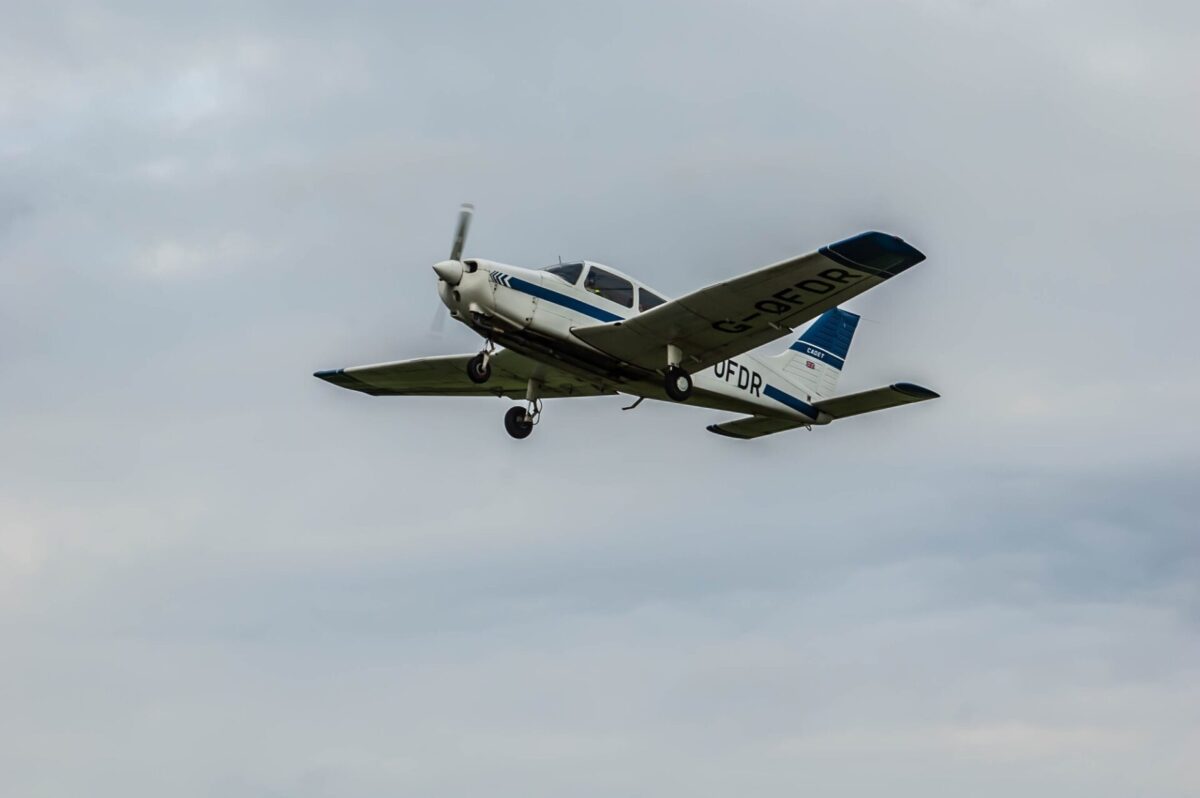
<point x="447" y="376"/>
<point x="737" y="315"/>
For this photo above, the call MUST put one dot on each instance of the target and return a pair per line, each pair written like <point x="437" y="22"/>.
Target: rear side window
<point x="610" y="286"/>
<point x="647" y="300"/>
<point x="568" y="271"/>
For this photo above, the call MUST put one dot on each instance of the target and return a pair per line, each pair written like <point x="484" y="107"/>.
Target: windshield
<point x="568" y="271"/>
<point x="647" y="300"/>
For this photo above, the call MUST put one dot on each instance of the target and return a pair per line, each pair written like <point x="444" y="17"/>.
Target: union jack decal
<point x="810" y="364"/>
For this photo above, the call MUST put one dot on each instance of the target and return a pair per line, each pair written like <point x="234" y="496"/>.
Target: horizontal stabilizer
<point x="753" y="427"/>
<point x="902" y="393"/>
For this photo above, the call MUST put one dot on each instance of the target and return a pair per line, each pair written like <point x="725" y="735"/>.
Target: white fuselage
<point x="534" y="311"/>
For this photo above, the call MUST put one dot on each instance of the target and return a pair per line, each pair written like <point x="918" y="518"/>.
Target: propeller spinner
<point x="451" y="271"/>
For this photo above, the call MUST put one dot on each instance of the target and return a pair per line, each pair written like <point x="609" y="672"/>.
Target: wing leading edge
<point x="735" y="316"/>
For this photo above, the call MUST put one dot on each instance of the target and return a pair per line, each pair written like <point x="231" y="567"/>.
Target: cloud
<point x="172" y="258"/>
<point x="261" y="584"/>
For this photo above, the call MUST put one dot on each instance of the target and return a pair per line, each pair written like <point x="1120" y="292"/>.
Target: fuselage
<point x="533" y="312"/>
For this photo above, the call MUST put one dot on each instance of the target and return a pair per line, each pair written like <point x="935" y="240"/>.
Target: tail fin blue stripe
<point x="831" y="333"/>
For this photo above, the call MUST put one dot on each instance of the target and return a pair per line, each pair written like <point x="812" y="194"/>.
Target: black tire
<point x="515" y="423"/>
<point x="678" y="384"/>
<point x="478" y="371"/>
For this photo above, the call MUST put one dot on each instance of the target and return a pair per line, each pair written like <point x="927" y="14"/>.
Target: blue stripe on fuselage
<point x="771" y="392"/>
<point x="562" y="299"/>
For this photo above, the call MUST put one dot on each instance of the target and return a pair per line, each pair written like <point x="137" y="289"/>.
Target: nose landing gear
<point x="519" y="421"/>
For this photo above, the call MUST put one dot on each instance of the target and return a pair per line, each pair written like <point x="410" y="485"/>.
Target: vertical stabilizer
<point x="816" y="360"/>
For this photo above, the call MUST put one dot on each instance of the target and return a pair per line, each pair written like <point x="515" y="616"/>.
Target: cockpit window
<point x="568" y="271"/>
<point x="647" y="300"/>
<point x="610" y="286"/>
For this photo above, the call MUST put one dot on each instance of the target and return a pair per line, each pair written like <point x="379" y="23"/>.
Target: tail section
<point x="902" y="393"/>
<point x="815" y="361"/>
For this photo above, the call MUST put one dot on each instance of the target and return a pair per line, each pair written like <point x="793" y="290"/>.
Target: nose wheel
<point x="518" y="423"/>
<point x="678" y="384"/>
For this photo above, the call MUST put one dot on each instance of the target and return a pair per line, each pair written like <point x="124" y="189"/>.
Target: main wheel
<point x="516" y="424"/>
<point x="678" y="384"/>
<point x="479" y="371"/>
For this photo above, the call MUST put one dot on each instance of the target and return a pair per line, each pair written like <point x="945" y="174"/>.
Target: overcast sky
<point x="219" y="576"/>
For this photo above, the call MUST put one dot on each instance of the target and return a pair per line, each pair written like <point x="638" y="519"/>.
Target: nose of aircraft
<point x="449" y="270"/>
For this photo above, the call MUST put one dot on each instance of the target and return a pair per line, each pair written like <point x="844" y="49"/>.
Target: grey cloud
<point x="217" y="574"/>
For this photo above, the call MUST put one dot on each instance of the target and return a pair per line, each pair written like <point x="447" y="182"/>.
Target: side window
<point x="610" y="286"/>
<point x="647" y="300"/>
<point x="568" y="271"/>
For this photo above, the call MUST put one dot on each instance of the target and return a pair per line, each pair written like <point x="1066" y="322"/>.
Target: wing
<point x="735" y="316"/>
<point x="447" y="376"/>
<point x="902" y="393"/>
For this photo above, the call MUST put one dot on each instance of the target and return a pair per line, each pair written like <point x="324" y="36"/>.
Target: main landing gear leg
<point x="676" y="382"/>
<point x="479" y="368"/>
<point x="519" y="421"/>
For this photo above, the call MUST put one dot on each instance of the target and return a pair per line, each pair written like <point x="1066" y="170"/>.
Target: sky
<point x="221" y="576"/>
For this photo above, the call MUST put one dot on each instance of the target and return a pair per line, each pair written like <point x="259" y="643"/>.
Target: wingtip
<point x="716" y="428"/>
<point x="915" y="391"/>
<point x="883" y="254"/>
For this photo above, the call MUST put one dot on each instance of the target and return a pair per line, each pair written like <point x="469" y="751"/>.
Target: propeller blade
<point x="437" y="326"/>
<point x="460" y="235"/>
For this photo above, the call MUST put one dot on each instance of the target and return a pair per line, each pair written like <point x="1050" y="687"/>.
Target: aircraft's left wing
<point x="735" y="316"/>
<point x="447" y="376"/>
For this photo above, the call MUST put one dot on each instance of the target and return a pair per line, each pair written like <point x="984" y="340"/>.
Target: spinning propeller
<point x="450" y="271"/>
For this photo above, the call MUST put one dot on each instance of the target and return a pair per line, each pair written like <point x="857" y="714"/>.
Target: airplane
<point x="585" y="329"/>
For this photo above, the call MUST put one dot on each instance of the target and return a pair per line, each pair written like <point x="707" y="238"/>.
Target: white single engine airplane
<point x="582" y="329"/>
